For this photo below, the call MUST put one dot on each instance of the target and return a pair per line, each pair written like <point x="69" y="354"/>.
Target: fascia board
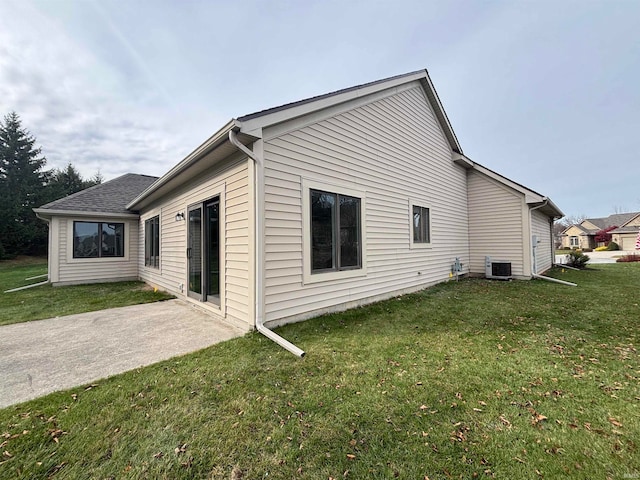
<point x="212" y="142"/>
<point x="322" y="103"/>
<point x="630" y="220"/>
<point x="46" y="212"/>
<point x="530" y="196"/>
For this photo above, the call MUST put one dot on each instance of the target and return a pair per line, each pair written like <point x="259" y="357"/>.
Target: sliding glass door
<point x="203" y="251"/>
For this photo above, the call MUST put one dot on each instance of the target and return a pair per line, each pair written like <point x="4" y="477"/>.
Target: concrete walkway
<point x="44" y="356"/>
<point x="600" y="257"/>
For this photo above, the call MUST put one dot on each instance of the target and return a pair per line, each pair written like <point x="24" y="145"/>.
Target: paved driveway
<point x="43" y="356"/>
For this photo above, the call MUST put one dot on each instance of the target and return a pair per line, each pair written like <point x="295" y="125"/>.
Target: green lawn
<point x="507" y="380"/>
<point x="46" y="301"/>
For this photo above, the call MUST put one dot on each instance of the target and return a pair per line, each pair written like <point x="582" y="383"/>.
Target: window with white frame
<point x="336" y="236"/>
<point x="574" y="241"/>
<point x="152" y="242"/>
<point x="421" y="224"/>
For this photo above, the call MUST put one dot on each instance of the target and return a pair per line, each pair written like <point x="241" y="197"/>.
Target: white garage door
<point x="628" y="243"/>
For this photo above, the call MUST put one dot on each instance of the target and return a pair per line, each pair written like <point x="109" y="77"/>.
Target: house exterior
<point x="583" y="235"/>
<point x="312" y="207"/>
<point x="627" y="233"/>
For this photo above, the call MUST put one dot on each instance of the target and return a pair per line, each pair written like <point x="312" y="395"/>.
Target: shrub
<point x="604" y="235"/>
<point x="577" y="259"/>
<point x="613" y="246"/>
<point x="629" y="258"/>
<point x="587" y="250"/>
<point x="602" y="248"/>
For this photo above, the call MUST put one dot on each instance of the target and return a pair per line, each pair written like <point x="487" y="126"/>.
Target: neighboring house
<point x="627" y="233"/>
<point x="311" y="207"/>
<point x="583" y="235"/>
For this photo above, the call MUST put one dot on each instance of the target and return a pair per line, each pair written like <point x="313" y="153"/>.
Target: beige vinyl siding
<point x="541" y="227"/>
<point x="496" y="225"/>
<point x="230" y="179"/>
<point x="393" y="150"/>
<point x="91" y="270"/>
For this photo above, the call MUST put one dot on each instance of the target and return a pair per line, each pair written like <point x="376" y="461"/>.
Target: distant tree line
<point x="24" y="185"/>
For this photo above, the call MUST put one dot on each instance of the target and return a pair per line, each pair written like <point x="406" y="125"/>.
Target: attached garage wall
<point x="541" y="227"/>
<point x="230" y="180"/>
<point x="495" y="224"/>
<point x="394" y="152"/>
<point x="93" y="270"/>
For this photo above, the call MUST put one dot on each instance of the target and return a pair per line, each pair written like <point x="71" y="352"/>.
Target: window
<point x="421" y="225"/>
<point x="98" y="239"/>
<point x="335" y="232"/>
<point x="574" y="242"/>
<point x="152" y="242"/>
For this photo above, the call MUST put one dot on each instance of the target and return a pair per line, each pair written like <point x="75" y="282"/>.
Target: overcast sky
<point x="546" y="93"/>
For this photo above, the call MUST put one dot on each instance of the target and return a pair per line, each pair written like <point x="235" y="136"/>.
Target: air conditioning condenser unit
<point x="497" y="269"/>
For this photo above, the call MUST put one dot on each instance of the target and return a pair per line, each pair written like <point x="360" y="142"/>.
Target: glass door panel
<point x="212" y="219"/>
<point x="194" y="252"/>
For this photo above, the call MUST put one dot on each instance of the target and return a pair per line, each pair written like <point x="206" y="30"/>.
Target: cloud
<point x="80" y="109"/>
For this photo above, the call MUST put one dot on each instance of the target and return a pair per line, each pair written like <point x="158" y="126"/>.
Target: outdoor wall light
<point x="179" y="216"/>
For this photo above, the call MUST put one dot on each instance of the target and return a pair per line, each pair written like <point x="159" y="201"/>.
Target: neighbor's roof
<point x="108" y="197"/>
<point x="617" y="219"/>
<point x="629" y="229"/>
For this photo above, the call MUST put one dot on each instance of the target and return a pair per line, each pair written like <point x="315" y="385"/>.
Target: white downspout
<point x="534" y="266"/>
<point x="259" y="255"/>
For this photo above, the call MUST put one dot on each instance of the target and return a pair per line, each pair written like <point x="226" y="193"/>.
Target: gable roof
<point x="294" y="109"/>
<point x="109" y="197"/>
<point x="578" y="226"/>
<point x="249" y="128"/>
<point x="531" y="197"/>
<point x="617" y="219"/>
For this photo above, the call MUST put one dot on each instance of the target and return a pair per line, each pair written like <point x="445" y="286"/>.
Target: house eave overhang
<point x="49" y="212"/>
<point x="532" y="199"/>
<point x="215" y="148"/>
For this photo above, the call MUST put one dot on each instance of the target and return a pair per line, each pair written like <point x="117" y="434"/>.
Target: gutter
<point x="258" y="258"/>
<point x="211" y="143"/>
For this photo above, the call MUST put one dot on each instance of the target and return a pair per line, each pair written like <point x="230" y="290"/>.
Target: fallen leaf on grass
<point x="615" y="422"/>
<point x="351" y="456"/>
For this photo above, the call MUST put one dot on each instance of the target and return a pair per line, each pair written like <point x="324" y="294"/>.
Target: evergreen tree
<point x="21" y="189"/>
<point x="63" y="182"/>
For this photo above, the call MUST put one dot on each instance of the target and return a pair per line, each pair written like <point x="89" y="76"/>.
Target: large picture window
<point x="421" y="225"/>
<point x="335" y="232"/>
<point x="98" y="239"/>
<point x="152" y="242"/>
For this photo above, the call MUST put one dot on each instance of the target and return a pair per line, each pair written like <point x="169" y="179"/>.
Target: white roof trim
<point x="530" y="197"/>
<point x="281" y="114"/>
<point x="49" y="212"/>
<point x="212" y="142"/>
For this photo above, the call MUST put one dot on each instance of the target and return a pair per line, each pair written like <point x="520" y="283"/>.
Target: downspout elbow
<point x="287" y="345"/>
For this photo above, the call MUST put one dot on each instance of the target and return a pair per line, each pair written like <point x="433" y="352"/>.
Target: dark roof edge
<point x="49" y="205"/>
<point x="304" y="101"/>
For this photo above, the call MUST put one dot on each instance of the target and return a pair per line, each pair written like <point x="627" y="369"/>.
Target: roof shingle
<point x="108" y="197"/>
